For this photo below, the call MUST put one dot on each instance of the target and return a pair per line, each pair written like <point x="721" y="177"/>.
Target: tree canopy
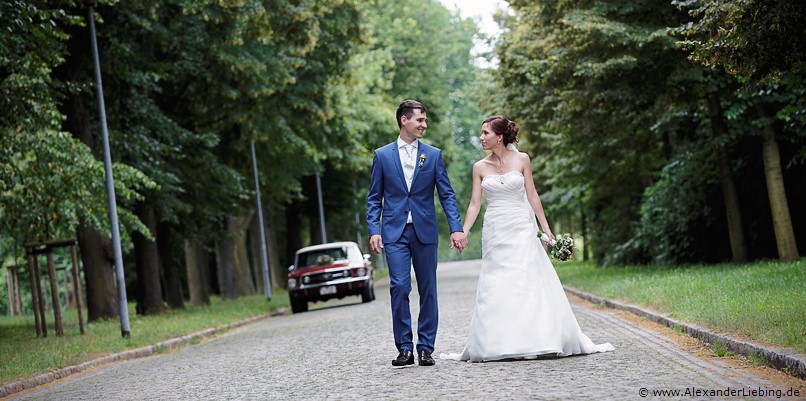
<point x="660" y="132"/>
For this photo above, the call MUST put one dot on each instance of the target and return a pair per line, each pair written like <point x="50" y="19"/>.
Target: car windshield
<point x="321" y="257"/>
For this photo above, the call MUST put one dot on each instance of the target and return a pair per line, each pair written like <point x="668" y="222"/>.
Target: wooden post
<point x="77" y="289"/>
<point x="35" y="295"/>
<point x="67" y="291"/>
<point x="17" y="286"/>
<point x="32" y="250"/>
<point x="10" y="285"/>
<point x="41" y="297"/>
<point x="54" y="293"/>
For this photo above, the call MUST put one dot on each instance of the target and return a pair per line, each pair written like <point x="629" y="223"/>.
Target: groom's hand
<point x="376" y="243"/>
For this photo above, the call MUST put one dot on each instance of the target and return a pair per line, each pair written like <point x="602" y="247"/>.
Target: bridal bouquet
<point x="561" y="248"/>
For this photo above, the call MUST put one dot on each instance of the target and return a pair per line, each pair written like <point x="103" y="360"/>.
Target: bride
<point x="521" y="311"/>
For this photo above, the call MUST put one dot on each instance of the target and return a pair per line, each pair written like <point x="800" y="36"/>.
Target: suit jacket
<point x="389" y="201"/>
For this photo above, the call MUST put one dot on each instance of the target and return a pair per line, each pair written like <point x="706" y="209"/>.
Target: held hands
<point x="376" y="243"/>
<point x="459" y="240"/>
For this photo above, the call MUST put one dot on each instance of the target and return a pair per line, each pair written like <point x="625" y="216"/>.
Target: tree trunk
<point x="232" y="260"/>
<point x="254" y="250"/>
<point x="236" y="228"/>
<point x="196" y="264"/>
<point x="279" y="273"/>
<point x="738" y="245"/>
<point x="583" y="228"/>
<point x="97" y="258"/>
<point x="293" y="231"/>
<point x="782" y="222"/>
<point x="170" y="271"/>
<point x="149" y="287"/>
<point x="224" y="268"/>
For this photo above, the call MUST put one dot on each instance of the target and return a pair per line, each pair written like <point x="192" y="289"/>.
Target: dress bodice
<point x="504" y="190"/>
<point x="507" y="207"/>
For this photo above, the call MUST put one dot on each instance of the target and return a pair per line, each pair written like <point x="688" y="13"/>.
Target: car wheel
<point x="368" y="294"/>
<point x="299" y="305"/>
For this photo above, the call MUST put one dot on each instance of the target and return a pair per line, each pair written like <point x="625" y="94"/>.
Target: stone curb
<point x="174" y="343"/>
<point x="788" y="361"/>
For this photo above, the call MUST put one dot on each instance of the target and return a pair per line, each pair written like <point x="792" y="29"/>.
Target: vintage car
<point x="333" y="270"/>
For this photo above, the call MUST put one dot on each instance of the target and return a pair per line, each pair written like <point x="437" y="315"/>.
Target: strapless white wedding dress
<point x="521" y="310"/>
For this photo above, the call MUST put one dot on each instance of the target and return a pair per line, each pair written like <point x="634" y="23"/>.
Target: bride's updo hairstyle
<point x="502" y="126"/>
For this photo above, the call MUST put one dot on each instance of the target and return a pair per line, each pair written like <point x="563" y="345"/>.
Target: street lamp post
<point x="264" y="259"/>
<point x="321" y="209"/>
<point x="110" y="187"/>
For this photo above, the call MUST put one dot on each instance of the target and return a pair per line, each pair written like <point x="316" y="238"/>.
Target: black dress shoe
<point x="424" y="358"/>
<point x="405" y="357"/>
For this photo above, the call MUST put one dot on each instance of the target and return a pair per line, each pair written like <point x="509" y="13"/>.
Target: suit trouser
<point x="400" y="256"/>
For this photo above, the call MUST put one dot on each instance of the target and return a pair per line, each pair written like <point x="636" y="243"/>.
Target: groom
<point x="401" y="191"/>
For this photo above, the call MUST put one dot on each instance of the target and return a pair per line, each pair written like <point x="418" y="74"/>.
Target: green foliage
<point x="584" y="81"/>
<point x="617" y="122"/>
<point x="49" y="182"/>
<point x="189" y="85"/>
<point x="676" y="217"/>
<point x="752" y="39"/>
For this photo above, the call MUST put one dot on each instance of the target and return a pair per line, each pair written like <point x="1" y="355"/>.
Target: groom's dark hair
<point x="406" y="108"/>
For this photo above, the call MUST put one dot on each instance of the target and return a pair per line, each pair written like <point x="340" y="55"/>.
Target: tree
<point x="52" y="185"/>
<point x="586" y="80"/>
<point x="759" y="41"/>
<point x="755" y="39"/>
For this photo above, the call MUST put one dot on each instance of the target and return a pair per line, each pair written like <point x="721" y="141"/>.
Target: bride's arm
<point x="532" y="196"/>
<point x="475" y="201"/>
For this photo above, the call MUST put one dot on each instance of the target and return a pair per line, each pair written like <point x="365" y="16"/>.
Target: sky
<point x="482" y="11"/>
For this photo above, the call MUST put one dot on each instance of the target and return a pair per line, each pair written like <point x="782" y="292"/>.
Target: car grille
<point x="327" y="276"/>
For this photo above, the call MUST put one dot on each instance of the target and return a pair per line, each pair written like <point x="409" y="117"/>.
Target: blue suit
<point x="388" y="205"/>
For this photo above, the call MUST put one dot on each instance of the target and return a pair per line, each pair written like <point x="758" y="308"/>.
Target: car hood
<point x="316" y="269"/>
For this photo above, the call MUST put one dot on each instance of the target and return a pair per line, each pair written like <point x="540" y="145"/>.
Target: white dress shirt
<point x="408" y="158"/>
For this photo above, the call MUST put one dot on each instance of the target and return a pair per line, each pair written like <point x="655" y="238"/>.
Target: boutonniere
<point x="422" y="160"/>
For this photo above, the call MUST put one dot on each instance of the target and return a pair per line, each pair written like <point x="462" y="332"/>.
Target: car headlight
<point x="292" y="282"/>
<point x="306" y="279"/>
<point x="361" y="271"/>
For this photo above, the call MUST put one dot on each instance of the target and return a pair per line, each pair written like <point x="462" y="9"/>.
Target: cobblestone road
<point x="343" y="350"/>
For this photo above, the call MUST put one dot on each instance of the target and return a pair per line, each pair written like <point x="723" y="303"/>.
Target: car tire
<point x="299" y="305"/>
<point x="368" y="294"/>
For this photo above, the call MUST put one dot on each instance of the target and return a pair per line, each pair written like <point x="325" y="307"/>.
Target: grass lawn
<point x="764" y="302"/>
<point x="23" y="355"/>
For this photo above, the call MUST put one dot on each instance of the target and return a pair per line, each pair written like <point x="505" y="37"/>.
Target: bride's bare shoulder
<point x="482" y="162"/>
<point x="482" y="167"/>
<point x="522" y="157"/>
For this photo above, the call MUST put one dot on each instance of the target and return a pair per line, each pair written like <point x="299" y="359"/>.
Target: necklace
<point x="498" y="166"/>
